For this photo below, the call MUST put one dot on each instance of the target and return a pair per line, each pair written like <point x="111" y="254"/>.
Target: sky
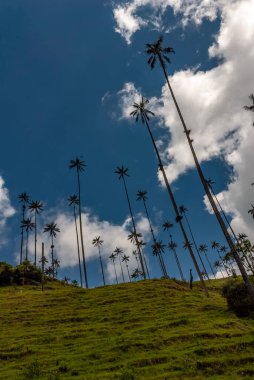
<point x="70" y="71"/>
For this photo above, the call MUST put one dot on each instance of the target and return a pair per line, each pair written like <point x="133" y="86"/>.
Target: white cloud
<point x="112" y="235"/>
<point x="130" y="16"/>
<point x="212" y="104"/>
<point x="6" y="209"/>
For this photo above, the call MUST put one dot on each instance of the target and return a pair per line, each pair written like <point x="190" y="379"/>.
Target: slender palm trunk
<point x="52" y="256"/>
<point x="163" y="267"/>
<point x="115" y="271"/>
<point x="177" y="211"/>
<point x="127" y="267"/>
<point x="102" y="271"/>
<point x="22" y="234"/>
<point x="81" y="233"/>
<point x="222" y="262"/>
<point x="27" y="235"/>
<point x="208" y="193"/>
<point x="196" y="247"/>
<point x="79" y="261"/>
<point x="210" y="265"/>
<point x="121" y="268"/>
<point x="35" y="237"/>
<point x="135" y="231"/>
<point x="178" y="263"/>
<point x="42" y="266"/>
<point x="138" y="263"/>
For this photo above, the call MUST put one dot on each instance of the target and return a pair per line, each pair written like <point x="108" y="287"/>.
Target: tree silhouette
<point x="126" y="259"/>
<point x="118" y="252"/>
<point x="183" y="210"/>
<point x="29" y="226"/>
<point x="203" y="248"/>
<point x="24" y="198"/>
<point x="74" y="201"/>
<point x="112" y="258"/>
<point x="122" y="172"/>
<point x="80" y="165"/>
<point x="158" y="249"/>
<point x="251" y="211"/>
<point x="97" y="242"/>
<point x="141" y="111"/>
<point x="35" y="207"/>
<point x="52" y="229"/>
<point x="172" y="246"/>
<point x="216" y="245"/>
<point x="159" y="53"/>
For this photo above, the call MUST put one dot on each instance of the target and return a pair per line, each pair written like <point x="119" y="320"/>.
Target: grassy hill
<point x="154" y="329"/>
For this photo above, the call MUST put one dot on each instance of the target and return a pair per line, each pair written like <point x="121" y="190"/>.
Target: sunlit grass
<point x="154" y="329"/>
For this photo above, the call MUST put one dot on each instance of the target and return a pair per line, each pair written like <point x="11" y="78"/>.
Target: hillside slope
<point x="154" y="329"/>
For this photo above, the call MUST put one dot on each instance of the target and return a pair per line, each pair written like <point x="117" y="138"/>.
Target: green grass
<point x="153" y="329"/>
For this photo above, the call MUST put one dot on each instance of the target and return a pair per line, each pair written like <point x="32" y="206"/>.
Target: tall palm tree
<point x="158" y="249"/>
<point x="112" y="258"/>
<point x="172" y="246"/>
<point x="159" y="53"/>
<point x="122" y="172"/>
<point x="135" y="254"/>
<point x="35" y="207"/>
<point x="217" y="265"/>
<point x="216" y="245"/>
<point x="97" y="242"/>
<point x="24" y="198"/>
<point x="140" y="111"/>
<point x="118" y="252"/>
<point x="74" y="201"/>
<point x="52" y="229"/>
<point x="203" y="248"/>
<point x="29" y="226"/>
<point x="80" y="165"/>
<point x="43" y="261"/>
<point x="183" y="210"/>
<point x="126" y="259"/>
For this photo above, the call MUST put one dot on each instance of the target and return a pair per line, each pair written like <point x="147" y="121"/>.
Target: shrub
<point x="238" y="299"/>
<point x="6" y="274"/>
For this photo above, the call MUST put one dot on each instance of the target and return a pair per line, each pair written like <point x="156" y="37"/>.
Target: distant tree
<point x="29" y="226"/>
<point x="56" y="266"/>
<point x="35" y="207"/>
<point x="118" y="252"/>
<point x="52" y="229"/>
<point x="126" y="259"/>
<point x="97" y="242"/>
<point x="216" y="245"/>
<point x="43" y="262"/>
<point x="122" y="172"/>
<point x="172" y="246"/>
<point x="159" y="53"/>
<point x="217" y="264"/>
<point x="80" y="165"/>
<point x="74" y="201"/>
<point x="112" y="258"/>
<point x="158" y="249"/>
<point x="24" y="198"/>
<point x="140" y="111"/>
<point x="183" y="211"/>
<point x="251" y="211"/>
<point x="203" y="248"/>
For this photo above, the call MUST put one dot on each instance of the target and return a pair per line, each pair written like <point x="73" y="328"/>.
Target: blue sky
<point x="64" y="70"/>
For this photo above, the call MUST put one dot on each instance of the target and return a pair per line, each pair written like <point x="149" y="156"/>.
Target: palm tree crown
<point x="78" y="164"/>
<point x="97" y="241"/>
<point x="141" y="111"/>
<point x="141" y="195"/>
<point x="73" y="200"/>
<point x="52" y="229"/>
<point x="157" y="51"/>
<point x="24" y="197"/>
<point x="122" y="171"/>
<point x="28" y="224"/>
<point x="36" y="206"/>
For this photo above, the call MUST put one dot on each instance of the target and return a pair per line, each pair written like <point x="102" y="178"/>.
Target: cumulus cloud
<point x="112" y="235"/>
<point x="212" y="104"/>
<point x="6" y="209"/>
<point x="130" y="16"/>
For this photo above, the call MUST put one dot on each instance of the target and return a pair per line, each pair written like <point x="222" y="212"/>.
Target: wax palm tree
<point x="97" y="242"/>
<point x="217" y="265"/>
<point x="183" y="210"/>
<point x="140" y="111"/>
<point x="112" y="257"/>
<point x="158" y="249"/>
<point x="159" y="53"/>
<point x="29" y="226"/>
<point x="56" y="266"/>
<point x="216" y="245"/>
<point x="126" y="259"/>
<point x="24" y="198"/>
<point x="251" y="211"/>
<point x="35" y="207"/>
<point x="80" y="165"/>
<point x="135" y="274"/>
<point x="122" y="172"/>
<point x="203" y="248"/>
<point x="118" y="252"/>
<point x="43" y="261"/>
<point x="74" y="201"/>
<point x="172" y="246"/>
<point x="52" y="229"/>
<point x="135" y="254"/>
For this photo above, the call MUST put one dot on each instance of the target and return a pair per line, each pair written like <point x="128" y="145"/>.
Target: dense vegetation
<point x="153" y="329"/>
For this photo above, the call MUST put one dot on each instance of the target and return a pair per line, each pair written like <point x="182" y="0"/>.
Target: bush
<point x="6" y="274"/>
<point x="24" y="274"/>
<point x="238" y="299"/>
